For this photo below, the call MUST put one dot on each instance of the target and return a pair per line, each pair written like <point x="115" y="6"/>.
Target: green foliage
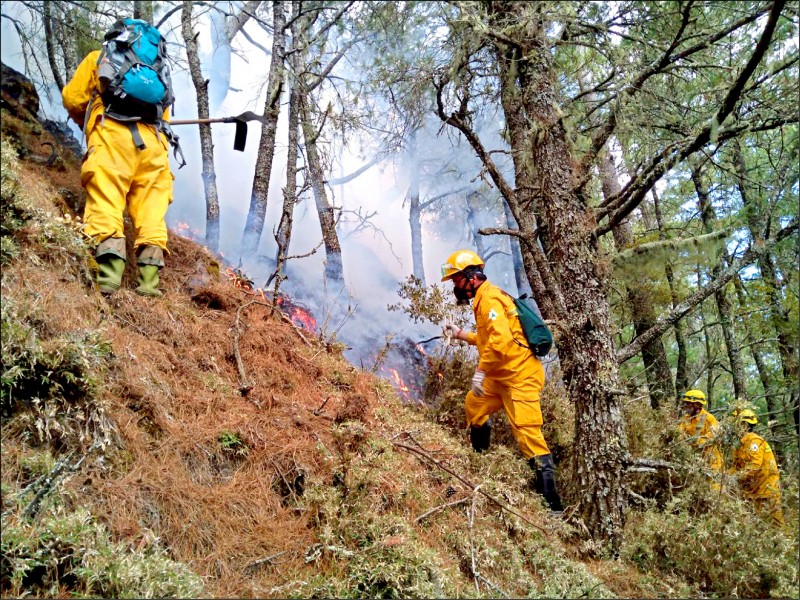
<point x="71" y="550"/>
<point x="12" y="215"/>
<point x="232" y="442"/>
<point x="726" y="552"/>
<point x="53" y="381"/>
<point x="59" y="239"/>
<point x="429" y="304"/>
<point x="64" y="369"/>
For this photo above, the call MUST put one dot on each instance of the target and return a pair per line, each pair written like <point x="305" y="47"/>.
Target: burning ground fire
<point x="405" y="364"/>
<point x="299" y="316"/>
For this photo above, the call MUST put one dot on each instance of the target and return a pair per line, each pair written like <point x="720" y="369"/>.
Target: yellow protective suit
<point x="115" y="173"/>
<point x="702" y="430"/>
<point x="757" y="472"/>
<point x="514" y="376"/>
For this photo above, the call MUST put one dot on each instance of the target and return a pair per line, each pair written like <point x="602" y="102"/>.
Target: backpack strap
<point x="173" y="140"/>
<point x="137" y="137"/>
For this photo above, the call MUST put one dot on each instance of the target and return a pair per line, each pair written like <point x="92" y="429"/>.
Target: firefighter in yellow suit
<point x="701" y="429"/>
<point x="508" y="376"/>
<point x="755" y="469"/>
<point x="116" y="174"/>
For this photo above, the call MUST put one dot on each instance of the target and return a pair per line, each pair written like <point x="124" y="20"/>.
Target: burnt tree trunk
<point x="640" y="299"/>
<point x="206" y="142"/>
<point x="259" y="196"/>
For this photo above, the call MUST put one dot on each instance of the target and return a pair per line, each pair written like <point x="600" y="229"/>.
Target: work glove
<point x="477" y="382"/>
<point x="451" y="331"/>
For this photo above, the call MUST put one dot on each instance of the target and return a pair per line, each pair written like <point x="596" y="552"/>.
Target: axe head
<point x="241" y="128"/>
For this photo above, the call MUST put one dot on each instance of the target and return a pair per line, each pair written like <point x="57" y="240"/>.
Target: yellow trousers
<point x="523" y="410"/>
<point x="116" y="174"/>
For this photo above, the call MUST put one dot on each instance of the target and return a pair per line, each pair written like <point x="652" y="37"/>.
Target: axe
<point x="241" y="125"/>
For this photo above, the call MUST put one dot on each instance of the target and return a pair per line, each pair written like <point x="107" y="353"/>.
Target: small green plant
<point x="70" y="552"/>
<point x="232" y="442"/>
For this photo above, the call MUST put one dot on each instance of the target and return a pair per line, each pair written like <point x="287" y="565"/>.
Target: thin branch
<point x="470" y="485"/>
<point x="441" y="507"/>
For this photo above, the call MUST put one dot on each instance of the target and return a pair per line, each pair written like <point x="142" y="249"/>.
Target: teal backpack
<point x="134" y="73"/>
<point x="537" y="335"/>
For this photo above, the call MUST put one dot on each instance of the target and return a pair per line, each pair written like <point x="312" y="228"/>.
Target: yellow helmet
<point x="695" y="396"/>
<point x="458" y="261"/>
<point x="747" y="416"/>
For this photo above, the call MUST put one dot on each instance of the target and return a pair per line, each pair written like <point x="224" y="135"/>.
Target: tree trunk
<point x="786" y="333"/>
<point x="708" y="216"/>
<point x="206" y="142"/>
<point x="266" y="147"/>
<point x="143" y="9"/>
<point x="681" y="370"/>
<point x="49" y="38"/>
<point x="654" y="357"/>
<point x="543" y="157"/>
<point x="415" y="212"/>
<point x="520" y="277"/>
<point x="290" y="197"/>
<point x="334" y="271"/>
<point x="473" y="209"/>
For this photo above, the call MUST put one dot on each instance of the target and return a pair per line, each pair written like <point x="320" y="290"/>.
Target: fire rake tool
<point x="436" y="337"/>
<point x="241" y="125"/>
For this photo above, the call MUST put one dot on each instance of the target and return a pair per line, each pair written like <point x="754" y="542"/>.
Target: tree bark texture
<point x="259" y="196"/>
<point x="206" y="142"/>
<point x="334" y="270"/>
<point x="545" y="185"/>
<point x="415" y="212"/>
<point x="640" y="299"/>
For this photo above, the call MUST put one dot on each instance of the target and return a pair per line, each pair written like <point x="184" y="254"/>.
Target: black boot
<point x="545" y="484"/>
<point x="480" y="436"/>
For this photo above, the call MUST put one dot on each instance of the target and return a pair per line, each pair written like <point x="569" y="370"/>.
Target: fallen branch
<point x="470" y="485"/>
<point x="244" y="384"/>
<point x="268" y="560"/>
<point x="436" y="509"/>
<point x="651" y="463"/>
<point x="47" y="483"/>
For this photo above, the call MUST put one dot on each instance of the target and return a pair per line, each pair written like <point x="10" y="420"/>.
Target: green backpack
<point x="538" y="336"/>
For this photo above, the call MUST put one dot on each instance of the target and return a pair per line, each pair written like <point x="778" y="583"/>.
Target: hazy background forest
<point x="632" y="165"/>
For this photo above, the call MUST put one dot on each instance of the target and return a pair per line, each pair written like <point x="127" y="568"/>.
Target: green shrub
<point x="73" y="553"/>
<point x="725" y="552"/>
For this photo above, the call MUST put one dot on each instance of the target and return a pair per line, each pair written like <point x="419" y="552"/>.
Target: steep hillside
<point x="201" y="444"/>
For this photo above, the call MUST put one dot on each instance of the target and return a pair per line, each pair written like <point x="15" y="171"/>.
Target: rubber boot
<point x="545" y="484"/>
<point x="480" y="436"/>
<point x="150" y="259"/>
<point x="109" y="273"/>
<point x="148" y="281"/>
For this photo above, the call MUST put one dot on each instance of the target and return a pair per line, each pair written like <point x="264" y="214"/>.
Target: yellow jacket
<point x="77" y="94"/>
<point x="501" y="357"/>
<point x="702" y="430"/>
<point x="755" y="467"/>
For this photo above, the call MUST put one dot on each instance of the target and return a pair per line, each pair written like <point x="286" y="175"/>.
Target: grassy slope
<point x="300" y="488"/>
